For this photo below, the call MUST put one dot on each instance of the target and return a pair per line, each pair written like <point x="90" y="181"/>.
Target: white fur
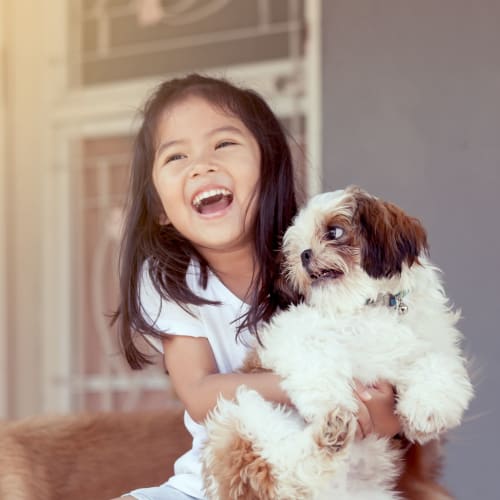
<point x="319" y="347"/>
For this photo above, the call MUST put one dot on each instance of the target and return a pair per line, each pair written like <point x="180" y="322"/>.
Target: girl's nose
<point x="202" y="166"/>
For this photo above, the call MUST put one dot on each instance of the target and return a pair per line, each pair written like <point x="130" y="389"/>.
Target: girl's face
<point x="206" y="172"/>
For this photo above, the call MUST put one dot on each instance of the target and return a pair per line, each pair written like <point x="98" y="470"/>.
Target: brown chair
<point x="89" y="456"/>
<point x="101" y="456"/>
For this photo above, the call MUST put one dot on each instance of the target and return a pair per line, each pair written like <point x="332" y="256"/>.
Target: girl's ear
<point x="164" y="220"/>
<point x="154" y="207"/>
<point x="388" y="237"/>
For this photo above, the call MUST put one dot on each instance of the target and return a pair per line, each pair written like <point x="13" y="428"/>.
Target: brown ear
<point x="389" y="237"/>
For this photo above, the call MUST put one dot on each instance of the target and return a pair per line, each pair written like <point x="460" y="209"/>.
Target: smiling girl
<point x="211" y="195"/>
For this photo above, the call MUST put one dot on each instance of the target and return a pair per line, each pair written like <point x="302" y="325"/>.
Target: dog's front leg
<point x="434" y="396"/>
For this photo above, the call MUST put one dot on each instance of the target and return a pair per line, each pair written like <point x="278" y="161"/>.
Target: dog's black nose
<point x="306" y="257"/>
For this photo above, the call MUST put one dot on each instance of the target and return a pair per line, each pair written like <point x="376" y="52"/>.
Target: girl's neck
<point x="236" y="270"/>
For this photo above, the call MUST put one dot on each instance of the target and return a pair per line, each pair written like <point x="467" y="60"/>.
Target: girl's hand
<point x="376" y="410"/>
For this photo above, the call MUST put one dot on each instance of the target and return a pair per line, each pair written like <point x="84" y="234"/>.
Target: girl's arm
<point x="197" y="382"/>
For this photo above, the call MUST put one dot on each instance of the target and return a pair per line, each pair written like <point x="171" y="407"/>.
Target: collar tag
<point x="389" y="300"/>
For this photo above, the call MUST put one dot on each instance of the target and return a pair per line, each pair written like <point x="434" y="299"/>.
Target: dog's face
<point x="345" y="238"/>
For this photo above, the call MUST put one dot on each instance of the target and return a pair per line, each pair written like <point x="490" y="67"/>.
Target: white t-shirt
<point x="216" y="323"/>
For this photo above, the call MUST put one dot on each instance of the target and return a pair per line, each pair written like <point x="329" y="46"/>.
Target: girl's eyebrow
<point x="226" y="128"/>
<point x="166" y="145"/>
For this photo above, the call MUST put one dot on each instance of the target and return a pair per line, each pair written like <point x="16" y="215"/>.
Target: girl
<point x="211" y="196"/>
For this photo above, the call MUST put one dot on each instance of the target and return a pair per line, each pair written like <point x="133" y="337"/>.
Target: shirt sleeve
<point x="167" y="316"/>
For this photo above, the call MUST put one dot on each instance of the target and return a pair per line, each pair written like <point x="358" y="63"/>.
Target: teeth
<point x="198" y="199"/>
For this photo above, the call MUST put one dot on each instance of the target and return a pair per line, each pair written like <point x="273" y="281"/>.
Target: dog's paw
<point x="335" y="430"/>
<point x="423" y="420"/>
<point x="314" y="409"/>
<point x="421" y="433"/>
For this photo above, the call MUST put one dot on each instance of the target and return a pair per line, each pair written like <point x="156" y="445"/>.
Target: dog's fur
<point x="374" y="309"/>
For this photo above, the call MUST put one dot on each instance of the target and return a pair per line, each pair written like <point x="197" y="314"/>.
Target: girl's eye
<point x="334" y="233"/>
<point x="175" y="157"/>
<point x="224" y="144"/>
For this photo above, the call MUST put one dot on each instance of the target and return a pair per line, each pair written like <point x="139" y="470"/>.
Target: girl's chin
<point x="219" y="241"/>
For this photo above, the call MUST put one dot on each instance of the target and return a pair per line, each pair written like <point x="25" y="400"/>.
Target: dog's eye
<point x="334" y="233"/>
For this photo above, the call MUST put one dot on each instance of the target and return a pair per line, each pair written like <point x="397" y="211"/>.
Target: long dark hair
<point x="165" y="250"/>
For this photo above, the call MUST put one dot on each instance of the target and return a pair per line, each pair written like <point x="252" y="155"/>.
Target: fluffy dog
<point x="374" y="309"/>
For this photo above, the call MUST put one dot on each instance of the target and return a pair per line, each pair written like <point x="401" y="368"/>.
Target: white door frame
<point x="314" y="94"/>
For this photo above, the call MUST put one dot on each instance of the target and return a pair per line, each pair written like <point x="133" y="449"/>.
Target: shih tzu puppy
<point x="374" y="309"/>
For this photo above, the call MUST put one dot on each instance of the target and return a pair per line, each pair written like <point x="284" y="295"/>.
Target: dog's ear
<point x="388" y="236"/>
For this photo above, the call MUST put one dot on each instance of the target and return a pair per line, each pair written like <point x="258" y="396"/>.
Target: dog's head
<point x="348" y="238"/>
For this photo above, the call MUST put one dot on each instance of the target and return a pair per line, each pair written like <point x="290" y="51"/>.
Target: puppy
<point x="374" y="309"/>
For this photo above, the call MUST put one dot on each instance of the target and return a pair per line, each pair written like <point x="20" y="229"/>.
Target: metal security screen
<point x="102" y="379"/>
<point x="124" y="39"/>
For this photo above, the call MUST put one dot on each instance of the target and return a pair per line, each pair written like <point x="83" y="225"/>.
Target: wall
<point x="412" y="113"/>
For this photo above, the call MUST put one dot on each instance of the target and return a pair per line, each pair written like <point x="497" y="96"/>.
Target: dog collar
<point x="394" y="301"/>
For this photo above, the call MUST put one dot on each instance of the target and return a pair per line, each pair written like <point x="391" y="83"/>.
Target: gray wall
<point x="411" y="95"/>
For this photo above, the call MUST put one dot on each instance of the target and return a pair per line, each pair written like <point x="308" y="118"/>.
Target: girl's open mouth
<point x="212" y="201"/>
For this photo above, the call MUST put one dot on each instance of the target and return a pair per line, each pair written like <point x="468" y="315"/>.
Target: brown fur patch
<point x="348" y="245"/>
<point x="252" y="363"/>
<point x="242" y="473"/>
<point x="341" y="220"/>
<point x="389" y="236"/>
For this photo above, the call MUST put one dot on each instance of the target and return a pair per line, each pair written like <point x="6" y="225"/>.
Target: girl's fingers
<point x="376" y="411"/>
<point x="362" y="391"/>
<point x="384" y="388"/>
<point x="365" y="425"/>
<point x="381" y="407"/>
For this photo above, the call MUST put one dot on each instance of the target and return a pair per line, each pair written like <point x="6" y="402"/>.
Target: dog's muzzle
<point x="315" y="274"/>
